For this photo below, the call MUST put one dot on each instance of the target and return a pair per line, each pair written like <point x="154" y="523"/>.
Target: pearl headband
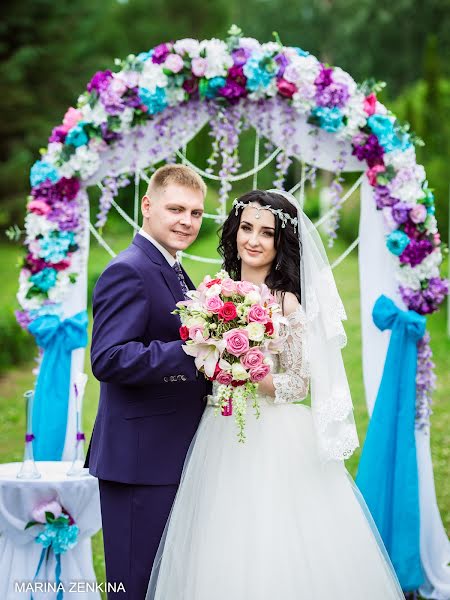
<point x="284" y="217"/>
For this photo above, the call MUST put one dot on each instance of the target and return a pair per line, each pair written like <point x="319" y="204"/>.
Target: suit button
<point x="166" y="379"/>
<point x="172" y="378"/>
<point x="183" y="378"/>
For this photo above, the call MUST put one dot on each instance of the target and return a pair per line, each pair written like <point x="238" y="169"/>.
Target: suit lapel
<point x="172" y="281"/>
<point x="189" y="283"/>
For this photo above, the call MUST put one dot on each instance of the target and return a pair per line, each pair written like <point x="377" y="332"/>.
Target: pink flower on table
<point x="244" y="287"/>
<point x="39" y="207"/>
<point x="286" y="88"/>
<point x="252" y="359"/>
<point x="370" y="104"/>
<point x="51" y="506"/>
<point x="224" y="377"/>
<point x="373" y="173"/>
<point x="174" y="63"/>
<point x="257" y="314"/>
<point x="237" y="341"/>
<point x="199" y="66"/>
<point x="228" y="287"/>
<point x="257" y="374"/>
<point x="418" y="213"/>
<point x="213" y="304"/>
<point x="71" y="118"/>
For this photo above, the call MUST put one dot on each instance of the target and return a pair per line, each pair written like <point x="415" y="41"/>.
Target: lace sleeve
<point x="292" y="383"/>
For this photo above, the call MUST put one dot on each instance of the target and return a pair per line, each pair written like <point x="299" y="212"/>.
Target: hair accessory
<point x="284" y="217"/>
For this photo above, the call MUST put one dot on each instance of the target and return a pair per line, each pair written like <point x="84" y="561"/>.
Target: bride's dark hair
<point x="285" y="278"/>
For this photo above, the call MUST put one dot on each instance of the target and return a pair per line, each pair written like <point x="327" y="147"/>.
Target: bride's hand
<point x="266" y="387"/>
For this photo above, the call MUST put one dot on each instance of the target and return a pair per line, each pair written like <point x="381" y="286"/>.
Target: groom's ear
<point x="145" y="206"/>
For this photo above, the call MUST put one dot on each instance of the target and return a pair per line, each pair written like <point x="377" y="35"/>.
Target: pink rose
<point x="71" y="118"/>
<point x="196" y="329"/>
<point x="228" y="287"/>
<point x="244" y="287"/>
<point x="199" y="66"/>
<point x="39" y="207"/>
<point x="270" y="330"/>
<point x="418" y="213"/>
<point x="286" y="88"/>
<point x="213" y="304"/>
<point x="257" y="314"/>
<point x="237" y="341"/>
<point x="174" y="63"/>
<point x="252" y="359"/>
<point x="370" y="104"/>
<point x="184" y="332"/>
<point x="228" y="312"/>
<point x="52" y="506"/>
<point x="258" y="373"/>
<point x="224" y="378"/>
<point x="373" y="172"/>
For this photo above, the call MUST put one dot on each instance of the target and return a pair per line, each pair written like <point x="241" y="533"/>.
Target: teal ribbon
<point x="59" y="593"/>
<point x="57" y="338"/>
<point x="387" y="472"/>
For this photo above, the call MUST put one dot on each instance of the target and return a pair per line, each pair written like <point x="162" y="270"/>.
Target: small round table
<point x="20" y="553"/>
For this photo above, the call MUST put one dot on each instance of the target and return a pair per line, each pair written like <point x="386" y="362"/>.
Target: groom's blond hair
<point x="178" y="175"/>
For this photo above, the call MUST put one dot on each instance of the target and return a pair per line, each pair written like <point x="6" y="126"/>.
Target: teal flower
<point x="388" y="138"/>
<point x="144" y="56"/>
<point x="54" y="248"/>
<point x="59" y="535"/>
<point x="397" y="241"/>
<point x="301" y="52"/>
<point x="259" y="70"/>
<point x="154" y="101"/>
<point x="45" y="279"/>
<point x="330" y="119"/>
<point x="77" y="135"/>
<point x="41" y="171"/>
<point x="213" y="86"/>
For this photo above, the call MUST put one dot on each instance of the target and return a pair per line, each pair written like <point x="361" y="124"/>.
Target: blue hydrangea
<point x="45" y="279"/>
<point x="259" y="73"/>
<point x="330" y="119"/>
<point x="144" y="56"/>
<point x="41" y="171"/>
<point x="301" y="52"/>
<point x="214" y="85"/>
<point x="77" y="135"/>
<point x="397" y="241"/>
<point x="54" y="248"/>
<point x="383" y="128"/>
<point x="61" y="537"/>
<point x="155" y="101"/>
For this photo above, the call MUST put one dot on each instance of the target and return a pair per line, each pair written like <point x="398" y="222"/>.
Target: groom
<point x="151" y="395"/>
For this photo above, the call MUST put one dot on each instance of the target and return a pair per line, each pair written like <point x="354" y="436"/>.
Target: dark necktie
<point x="179" y="272"/>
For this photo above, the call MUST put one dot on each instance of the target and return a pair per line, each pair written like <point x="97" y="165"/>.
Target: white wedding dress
<point x="268" y="519"/>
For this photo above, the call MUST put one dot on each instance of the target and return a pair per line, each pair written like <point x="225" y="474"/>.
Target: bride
<point x="278" y="517"/>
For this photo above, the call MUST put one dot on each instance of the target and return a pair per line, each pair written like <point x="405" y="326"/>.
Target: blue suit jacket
<point x="151" y="395"/>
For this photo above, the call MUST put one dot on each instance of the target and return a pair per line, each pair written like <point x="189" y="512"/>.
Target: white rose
<point x="253" y="297"/>
<point x="214" y="290"/>
<point x="238" y="372"/>
<point x="256" y="331"/>
<point x="191" y="321"/>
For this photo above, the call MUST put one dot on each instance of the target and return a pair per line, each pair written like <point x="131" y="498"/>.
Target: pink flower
<point x="199" y="66"/>
<point x="228" y="287"/>
<point x="224" y="377"/>
<point x="52" y="506"/>
<point x="252" y="359"/>
<point x="184" y="333"/>
<point x="257" y="374"/>
<point x="174" y="63"/>
<point x="228" y="311"/>
<point x="213" y="304"/>
<point x="418" y="213"/>
<point x="236" y="341"/>
<point x="257" y="314"/>
<point x="71" y="118"/>
<point x="373" y="172"/>
<point x="196" y="329"/>
<point x="39" y="207"/>
<point x="370" y="103"/>
<point x="270" y="330"/>
<point x="244" y="287"/>
<point x="286" y="88"/>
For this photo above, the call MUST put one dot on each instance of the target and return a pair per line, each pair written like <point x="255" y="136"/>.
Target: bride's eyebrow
<point x="264" y="227"/>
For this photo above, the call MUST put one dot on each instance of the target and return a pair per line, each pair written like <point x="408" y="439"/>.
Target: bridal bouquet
<point x="232" y="328"/>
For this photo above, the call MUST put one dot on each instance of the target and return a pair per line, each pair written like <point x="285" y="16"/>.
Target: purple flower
<point x="131" y="98"/>
<point x="367" y="148"/>
<point x="240" y="56"/>
<point x="160" y="53"/>
<point x="415" y="252"/>
<point x="99" y="81"/>
<point x="68" y="188"/>
<point x="65" y="214"/>
<point x="400" y="212"/>
<point x="58" y="134"/>
<point x="283" y="62"/>
<point x="427" y="300"/>
<point x="324" y="78"/>
<point x="191" y="85"/>
<point x="23" y="318"/>
<point x="108" y="135"/>
<point x="383" y="198"/>
<point x="46" y="191"/>
<point x="411" y="229"/>
<point x="333" y="95"/>
<point x="232" y="90"/>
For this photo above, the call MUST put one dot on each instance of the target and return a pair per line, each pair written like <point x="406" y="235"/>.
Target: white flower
<point x="218" y="58"/>
<point x="406" y="188"/>
<point x="58" y="293"/>
<point x="340" y="76"/>
<point x="413" y="276"/>
<point x="270" y="47"/>
<point x="249" y="44"/>
<point x="256" y="331"/>
<point x="24" y="286"/>
<point x="304" y="100"/>
<point x="400" y="159"/>
<point x="214" y="290"/>
<point x="188" y="45"/>
<point x="85" y="160"/>
<point x="431" y="224"/>
<point x="191" y="321"/>
<point x="253" y="297"/>
<point x="37" y="225"/>
<point x="271" y="91"/>
<point x="126" y="118"/>
<point x="152" y="76"/>
<point x="175" y="96"/>
<point x="302" y="70"/>
<point x="239" y="373"/>
<point x="96" y="115"/>
<point x="53" y="153"/>
<point x="356" y="116"/>
<point x="380" y="109"/>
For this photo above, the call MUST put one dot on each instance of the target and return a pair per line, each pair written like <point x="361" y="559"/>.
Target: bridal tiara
<point x="283" y="216"/>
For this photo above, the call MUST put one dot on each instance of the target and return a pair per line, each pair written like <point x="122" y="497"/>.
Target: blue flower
<point x="144" y="56"/>
<point x="383" y="128"/>
<point x="154" y="101"/>
<point x="330" y="119"/>
<point x="60" y="536"/>
<point x="397" y="241"/>
<point x="45" y="279"/>
<point x="301" y="52"/>
<point x="77" y="136"/>
<point x="259" y="72"/>
<point x="214" y="84"/>
<point x="41" y="171"/>
<point x="54" y="248"/>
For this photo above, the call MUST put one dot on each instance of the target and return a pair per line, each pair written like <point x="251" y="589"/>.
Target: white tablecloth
<point x="20" y="553"/>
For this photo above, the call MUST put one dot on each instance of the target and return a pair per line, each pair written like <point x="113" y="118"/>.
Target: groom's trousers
<point x="133" y="518"/>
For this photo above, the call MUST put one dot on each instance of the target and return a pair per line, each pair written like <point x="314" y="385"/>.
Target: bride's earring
<point x="238" y="257"/>
<point x="277" y="267"/>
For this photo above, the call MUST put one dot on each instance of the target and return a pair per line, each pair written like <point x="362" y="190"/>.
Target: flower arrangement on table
<point x="231" y="328"/>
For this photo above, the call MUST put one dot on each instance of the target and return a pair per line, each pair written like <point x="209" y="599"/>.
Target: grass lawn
<point x="17" y="380"/>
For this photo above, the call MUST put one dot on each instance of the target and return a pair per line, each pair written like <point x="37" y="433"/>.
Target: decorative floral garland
<point x="224" y="73"/>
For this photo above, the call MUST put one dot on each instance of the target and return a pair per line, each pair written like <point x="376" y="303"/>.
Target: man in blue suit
<point x="151" y="395"/>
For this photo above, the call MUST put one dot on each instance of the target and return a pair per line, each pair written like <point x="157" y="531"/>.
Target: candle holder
<point x="77" y="466"/>
<point x="28" y="469"/>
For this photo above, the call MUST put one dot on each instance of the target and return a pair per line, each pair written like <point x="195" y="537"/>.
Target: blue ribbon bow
<point x="387" y="473"/>
<point x="58" y="339"/>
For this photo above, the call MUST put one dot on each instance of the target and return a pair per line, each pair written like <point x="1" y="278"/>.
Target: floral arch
<point x="151" y="105"/>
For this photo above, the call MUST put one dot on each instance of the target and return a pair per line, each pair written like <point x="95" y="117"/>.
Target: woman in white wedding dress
<point x="278" y="517"/>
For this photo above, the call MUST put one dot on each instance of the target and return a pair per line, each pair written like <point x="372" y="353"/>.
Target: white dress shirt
<point x="170" y="259"/>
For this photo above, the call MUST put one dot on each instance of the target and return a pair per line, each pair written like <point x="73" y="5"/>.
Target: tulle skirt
<point x="267" y="520"/>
